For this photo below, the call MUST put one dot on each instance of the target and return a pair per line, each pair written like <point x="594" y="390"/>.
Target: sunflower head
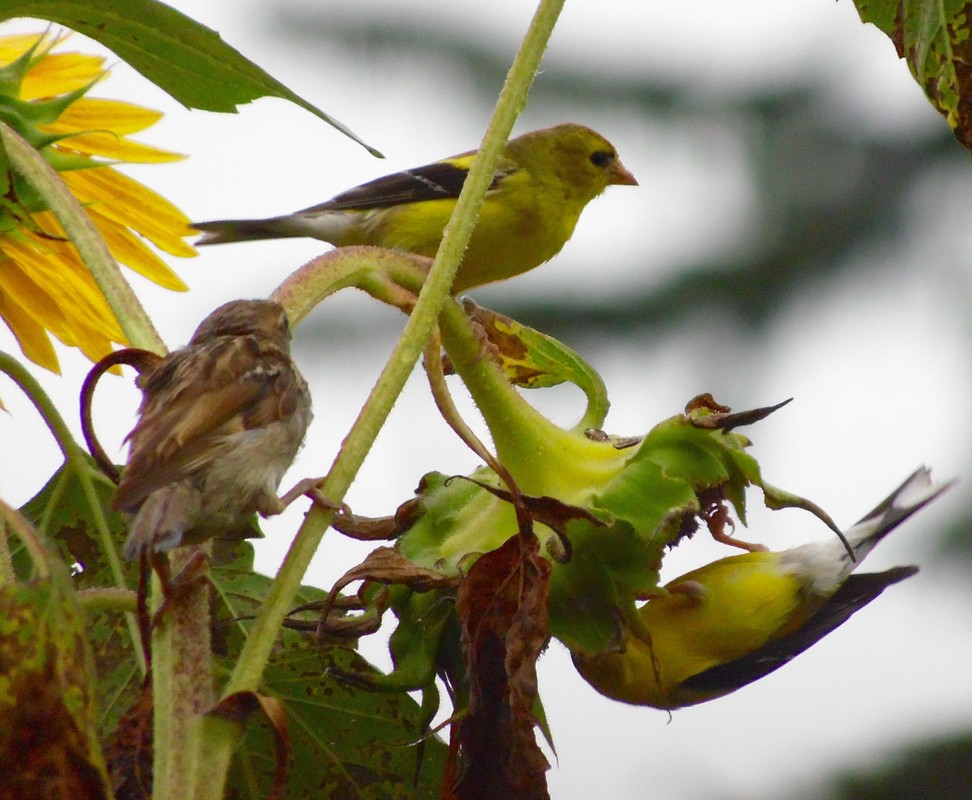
<point x="45" y="288"/>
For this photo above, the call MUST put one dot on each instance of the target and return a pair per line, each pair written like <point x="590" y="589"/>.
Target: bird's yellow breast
<point x="513" y="235"/>
<point x="716" y="614"/>
<point x="744" y="602"/>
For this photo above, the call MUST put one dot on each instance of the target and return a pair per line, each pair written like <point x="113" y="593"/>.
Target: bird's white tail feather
<point x="915" y="493"/>
<point x="826" y="564"/>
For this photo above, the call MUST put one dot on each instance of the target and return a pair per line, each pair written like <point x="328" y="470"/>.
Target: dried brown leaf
<point x="721" y="418"/>
<point x="502" y="607"/>
<point x="386" y="565"/>
<point x="130" y="753"/>
<point x="550" y="511"/>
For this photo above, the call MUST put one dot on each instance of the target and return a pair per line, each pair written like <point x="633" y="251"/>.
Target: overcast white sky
<point x="874" y="370"/>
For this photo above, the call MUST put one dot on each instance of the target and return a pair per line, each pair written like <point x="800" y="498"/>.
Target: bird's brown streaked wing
<point x="281" y="399"/>
<point x="198" y="394"/>
<point x="442" y="180"/>
<point x="182" y="395"/>
<point x="179" y="439"/>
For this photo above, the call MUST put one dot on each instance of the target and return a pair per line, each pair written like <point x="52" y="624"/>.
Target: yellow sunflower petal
<point x="30" y="295"/>
<point x="45" y="288"/>
<point x="129" y="250"/>
<point x="72" y="329"/>
<point x="93" y="333"/>
<point x="99" y="126"/>
<point x="91" y="341"/>
<point x="54" y="265"/>
<point x="93" y="114"/>
<point x="13" y="46"/>
<point x="133" y="205"/>
<point x="59" y="73"/>
<point x="114" y="147"/>
<point x="32" y="338"/>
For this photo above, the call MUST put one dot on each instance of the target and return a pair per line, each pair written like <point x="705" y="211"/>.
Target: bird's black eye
<point x="601" y="158"/>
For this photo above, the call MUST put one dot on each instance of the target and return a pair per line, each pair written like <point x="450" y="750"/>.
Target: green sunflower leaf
<point x="935" y="38"/>
<point x="179" y="55"/>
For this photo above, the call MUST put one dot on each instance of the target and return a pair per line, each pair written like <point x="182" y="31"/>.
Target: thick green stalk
<point x="369" y="268"/>
<point x="182" y="686"/>
<point x="6" y="563"/>
<point x="95" y="601"/>
<point x="217" y="738"/>
<point x="542" y="457"/>
<point x="177" y="703"/>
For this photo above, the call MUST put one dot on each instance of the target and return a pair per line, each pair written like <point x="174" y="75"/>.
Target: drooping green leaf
<point x="644" y="497"/>
<point x="609" y="569"/>
<point x="184" y="58"/>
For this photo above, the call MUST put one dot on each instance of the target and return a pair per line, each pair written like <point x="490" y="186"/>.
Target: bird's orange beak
<point x="620" y="175"/>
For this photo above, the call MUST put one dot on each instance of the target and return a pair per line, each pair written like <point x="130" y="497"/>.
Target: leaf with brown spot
<point x="935" y="39"/>
<point x="533" y="360"/>
<point x="502" y="606"/>
<point x="347" y="743"/>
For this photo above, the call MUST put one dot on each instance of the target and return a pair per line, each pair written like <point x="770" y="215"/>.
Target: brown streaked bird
<point x="220" y="422"/>
<point x="542" y="183"/>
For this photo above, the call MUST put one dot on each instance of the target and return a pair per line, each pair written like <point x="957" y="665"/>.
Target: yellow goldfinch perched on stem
<point x="731" y="622"/>
<point x="543" y="181"/>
